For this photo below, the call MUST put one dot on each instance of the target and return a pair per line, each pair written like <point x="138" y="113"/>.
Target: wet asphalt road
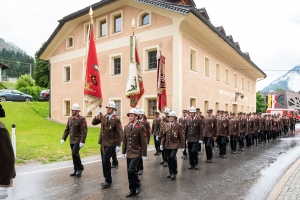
<point x="246" y="175"/>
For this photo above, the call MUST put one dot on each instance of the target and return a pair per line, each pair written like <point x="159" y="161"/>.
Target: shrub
<point x="21" y="82"/>
<point x="2" y="86"/>
<point x="34" y="91"/>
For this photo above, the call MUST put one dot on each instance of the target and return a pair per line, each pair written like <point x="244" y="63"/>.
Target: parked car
<point x="14" y="95"/>
<point x="44" y="95"/>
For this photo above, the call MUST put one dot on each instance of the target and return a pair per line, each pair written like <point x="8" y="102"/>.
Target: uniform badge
<point x="144" y="134"/>
<point x="109" y="127"/>
<point x="212" y="125"/>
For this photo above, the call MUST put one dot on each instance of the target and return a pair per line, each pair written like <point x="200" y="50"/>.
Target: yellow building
<point x="204" y="67"/>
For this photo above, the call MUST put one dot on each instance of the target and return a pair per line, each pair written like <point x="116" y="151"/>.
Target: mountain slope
<point x="289" y="81"/>
<point x="10" y="46"/>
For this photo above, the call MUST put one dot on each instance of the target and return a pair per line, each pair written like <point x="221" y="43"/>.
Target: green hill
<point x="38" y="138"/>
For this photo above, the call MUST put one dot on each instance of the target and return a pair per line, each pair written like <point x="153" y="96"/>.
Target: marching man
<point x="134" y="148"/>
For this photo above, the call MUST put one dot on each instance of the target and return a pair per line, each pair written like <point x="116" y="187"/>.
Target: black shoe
<point x="234" y="152"/>
<point x="183" y="157"/>
<point x="191" y="167"/>
<point x="173" y="176"/>
<point x="209" y="161"/>
<point x="73" y="174"/>
<point x="105" y="184"/>
<point x="196" y="166"/>
<point x="165" y="164"/>
<point x="223" y="156"/>
<point x="138" y="190"/>
<point x="131" y="194"/>
<point x="140" y="172"/>
<point x="78" y="173"/>
<point x="156" y="154"/>
<point x="242" y="149"/>
<point x="162" y="162"/>
<point x="113" y="166"/>
<point x="169" y="176"/>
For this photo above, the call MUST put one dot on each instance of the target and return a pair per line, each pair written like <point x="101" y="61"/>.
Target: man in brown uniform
<point x="262" y="129"/>
<point x="173" y="140"/>
<point x="243" y="126"/>
<point x="155" y="132"/>
<point x="286" y="124"/>
<point x="110" y="138"/>
<point x="249" y="130"/>
<point x="164" y="121"/>
<point x="234" y="132"/>
<point x="7" y="159"/>
<point x="77" y="128"/>
<point x="256" y="128"/>
<point x="223" y="134"/>
<point x="134" y="148"/>
<point x="269" y="127"/>
<point x="209" y="133"/>
<point x="193" y="133"/>
<point x="276" y="127"/>
<point x="293" y="122"/>
<point x="183" y="121"/>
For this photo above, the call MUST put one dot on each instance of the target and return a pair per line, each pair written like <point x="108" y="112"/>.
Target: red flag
<point x="92" y="88"/>
<point x="161" y="83"/>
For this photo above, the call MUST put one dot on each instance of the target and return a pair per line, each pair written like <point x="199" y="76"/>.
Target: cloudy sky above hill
<point x="269" y="30"/>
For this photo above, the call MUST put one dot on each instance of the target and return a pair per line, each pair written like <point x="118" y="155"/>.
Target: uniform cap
<point x="111" y="104"/>
<point x="167" y="110"/>
<point x="197" y="108"/>
<point x="75" y="106"/>
<point x="209" y="110"/>
<point x="184" y="110"/>
<point x="133" y="111"/>
<point x="192" y="109"/>
<point x="141" y="111"/>
<point x="172" y="114"/>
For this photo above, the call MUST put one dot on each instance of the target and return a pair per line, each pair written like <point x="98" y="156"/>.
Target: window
<point x="226" y="106"/>
<point x="248" y="109"/>
<point x="117" y="66"/>
<point x="103" y="28"/>
<point x="218" y="72"/>
<point x="86" y="32"/>
<point x="152" y="62"/>
<point x="145" y="19"/>
<point x="248" y="86"/>
<point x="66" y="107"/>
<point x="70" y="42"/>
<point x="253" y="88"/>
<point x="206" y="67"/>
<point x="234" y="108"/>
<point x="206" y="106"/>
<point x="118" y="107"/>
<point x="193" y="60"/>
<point x="117" y="23"/>
<point x="151" y="108"/>
<point x="67" y="74"/>
<point x="217" y="107"/>
<point x="243" y="83"/>
<point x="227" y="76"/>
<point x="193" y="102"/>
<point x="242" y="108"/>
<point x="235" y="80"/>
<point x="280" y="99"/>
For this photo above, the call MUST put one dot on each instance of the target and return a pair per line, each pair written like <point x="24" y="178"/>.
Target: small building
<point x="205" y="68"/>
<point x="3" y="67"/>
<point x="285" y="99"/>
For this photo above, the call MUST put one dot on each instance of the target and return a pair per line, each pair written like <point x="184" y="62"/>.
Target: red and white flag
<point x="161" y="82"/>
<point x="274" y="101"/>
<point x="92" y="87"/>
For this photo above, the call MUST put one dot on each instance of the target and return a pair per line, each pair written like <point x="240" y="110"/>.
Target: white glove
<point x="182" y="150"/>
<point x="157" y="138"/>
<point x="117" y="149"/>
<point x="123" y="156"/>
<point x="3" y="193"/>
<point x="144" y="158"/>
<point x="81" y="145"/>
<point x="161" y="147"/>
<point x="62" y="141"/>
<point x="200" y="141"/>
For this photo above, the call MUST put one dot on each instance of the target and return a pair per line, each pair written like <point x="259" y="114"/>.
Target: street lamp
<point x="238" y="94"/>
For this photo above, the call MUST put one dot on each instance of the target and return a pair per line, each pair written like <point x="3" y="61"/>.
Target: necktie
<point x="131" y="126"/>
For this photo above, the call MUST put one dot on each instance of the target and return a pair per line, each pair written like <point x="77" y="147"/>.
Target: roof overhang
<point x="4" y="66"/>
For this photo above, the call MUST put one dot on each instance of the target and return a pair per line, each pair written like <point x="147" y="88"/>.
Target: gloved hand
<point x="182" y="150"/>
<point x="157" y="138"/>
<point x="144" y="158"/>
<point x="200" y="141"/>
<point x="117" y="149"/>
<point x="81" y="145"/>
<point x="62" y="141"/>
<point x="161" y="147"/>
<point x="123" y="156"/>
<point x="3" y="193"/>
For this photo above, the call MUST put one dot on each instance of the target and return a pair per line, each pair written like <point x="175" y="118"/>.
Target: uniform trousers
<point x="140" y="165"/>
<point x="254" y="137"/>
<point x="184" y="152"/>
<point x="241" y="140"/>
<point x="222" y="145"/>
<point x="133" y="177"/>
<point x="172" y="160"/>
<point x="106" y="154"/>
<point x="76" y="157"/>
<point x="248" y="139"/>
<point x="286" y="129"/>
<point x="267" y="135"/>
<point x="233" y="140"/>
<point x="114" y="157"/>
<point x="208" y="149"/>
<point x="193" y="153"/>
<point x="259" y="136"/>
<point x="293" y="127"/>
<point x="156" y="143"/>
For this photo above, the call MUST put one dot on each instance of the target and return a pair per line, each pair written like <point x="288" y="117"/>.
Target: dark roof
<point x="221" y="29"/>
<point x="204" y="13"/>
<point x="174" y="7"/>
<point x="237" y="45"/>
<point x="230" y="38"/>
<point x="4" y="66"/>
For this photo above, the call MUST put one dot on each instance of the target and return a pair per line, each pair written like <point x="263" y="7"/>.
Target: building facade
<point x="204" y="67"/>
<point x="285" y="99"/>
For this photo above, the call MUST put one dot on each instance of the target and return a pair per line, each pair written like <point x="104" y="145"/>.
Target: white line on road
<point x="58" y="168"/>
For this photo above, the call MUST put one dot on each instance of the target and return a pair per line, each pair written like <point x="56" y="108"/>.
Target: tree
<point x="41" y="73"/>
<point x="279" y="89"/>
<point x="260" y="103"/>
<point x="24" y="81"/>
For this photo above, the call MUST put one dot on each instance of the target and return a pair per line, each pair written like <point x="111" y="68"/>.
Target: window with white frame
<point x="144" y="19"/>
<point x="253" y="88"/>
<point x="102" y="30"/>
<point x="243" y="83"/>
<point x="193" y="102"/>
<point x="226" y="106"/>
<point x="206" y="67"/>
<point x="235" y="80"/>
<point x="227" y="76"/>
<point x="248" y="86"/>
<point x="193" y="60"/>
<point x="151" y="107"/>
<point x="116" y="65"/>
<point x="242" y="108"/>
<point x="67" y="74"/>
<point x="218" y="72"/>
<point x="150" y="58"/>
<point x="116" y="22"/>
<point x="70" y="42"/>
<point x="217" y="106"/>
<point x="66" y="107"/>
<point x="86" y="32"/>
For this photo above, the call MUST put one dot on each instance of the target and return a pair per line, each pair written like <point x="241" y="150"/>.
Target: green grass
<point x="38" y="138"/>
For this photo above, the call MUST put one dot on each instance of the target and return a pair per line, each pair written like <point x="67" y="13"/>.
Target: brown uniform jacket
<point x="263" y="124"/>
<point x="256" y="124"/>
<point x="112" y="132"/>
<point x="173" y="137"/>
<point x="269" y="124"/>
<point x="163" y="123"/>
<point x="156" y="126"/>
<point x="223" y="127"/>
<point x="210" y="127"/>
<point x="286" y="122"/>
<point x="235" y="127"/>
<point x="243" y="125"/>
<point x="193" y="130"/>
<point x="281" y="123"/>
<point x="77" y="128"/>
<point x="7" y="158"/>
<point x="276" y="125"/>
<point x="135" y="141"/>
<point x="293" y="121"/>
<point x="148" y="129"/>
<point x="250" y="126"/>
<point x="183" y="121"/>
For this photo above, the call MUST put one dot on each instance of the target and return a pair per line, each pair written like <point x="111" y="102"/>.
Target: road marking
<point x="58" y="168"/>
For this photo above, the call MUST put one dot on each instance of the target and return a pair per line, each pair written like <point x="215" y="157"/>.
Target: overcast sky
<point x="268" y="29"/>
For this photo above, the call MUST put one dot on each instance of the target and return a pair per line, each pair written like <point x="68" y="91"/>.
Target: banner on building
<point x="161" y="82"/>
<point x="92" y="87"/>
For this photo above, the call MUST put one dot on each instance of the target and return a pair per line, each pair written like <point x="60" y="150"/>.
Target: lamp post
<point x="238" y="94"/>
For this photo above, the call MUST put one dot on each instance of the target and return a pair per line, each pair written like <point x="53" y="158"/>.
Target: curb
<point x="281" y="183"/>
